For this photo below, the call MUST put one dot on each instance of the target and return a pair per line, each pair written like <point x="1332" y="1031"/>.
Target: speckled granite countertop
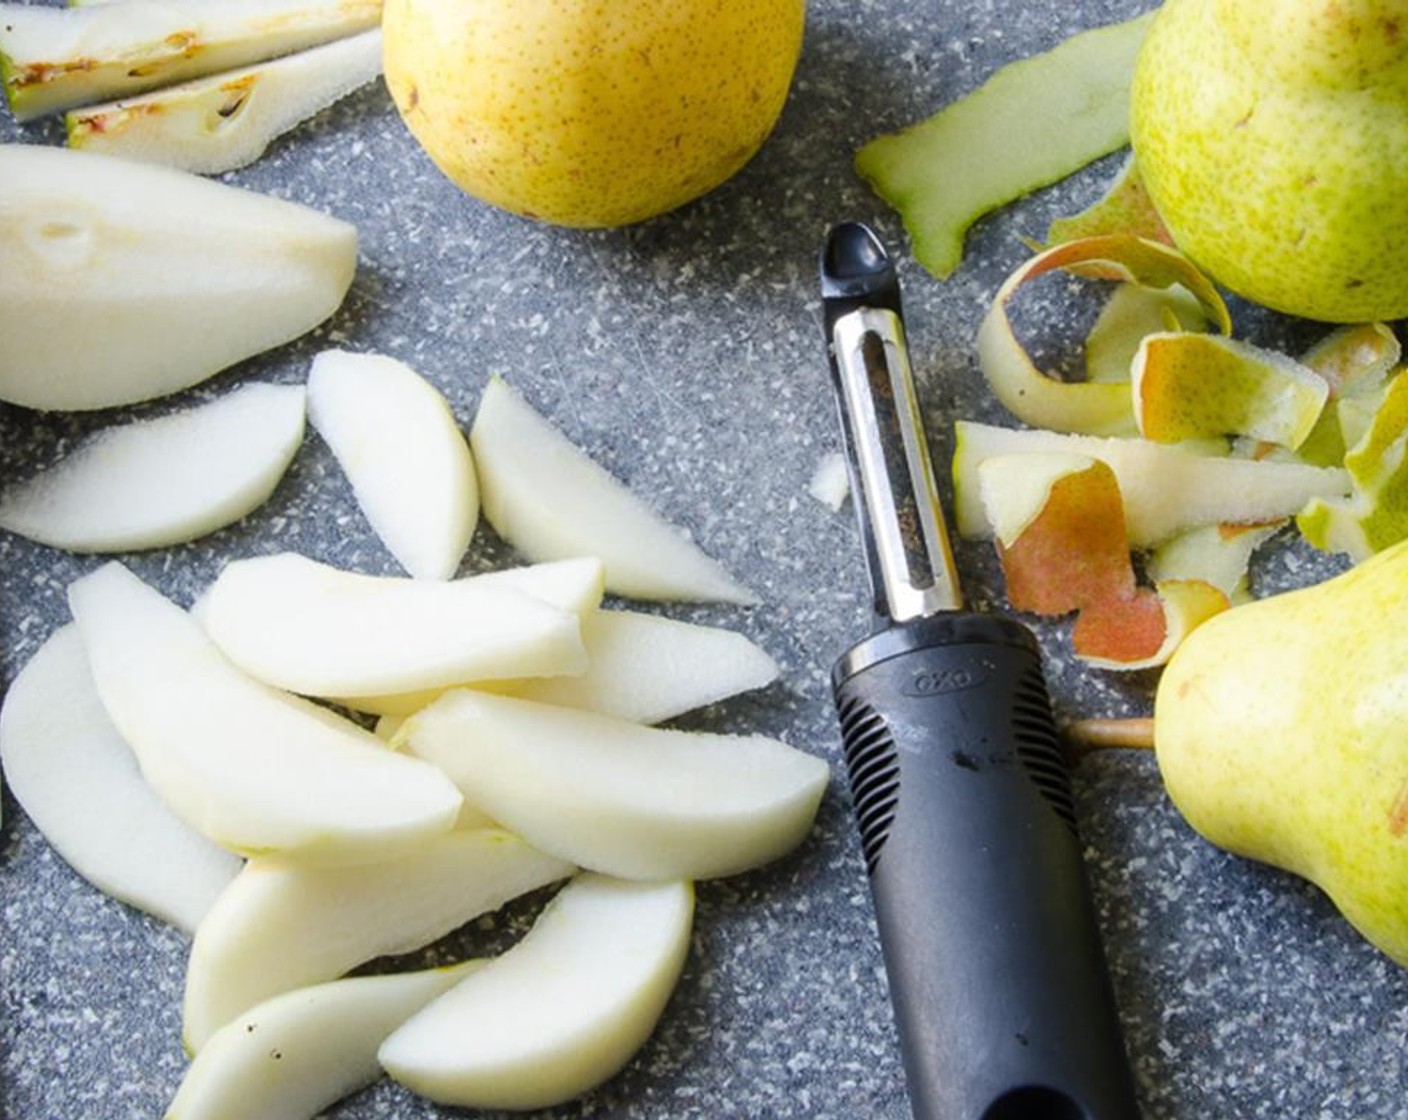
<point x="685" y="355"/>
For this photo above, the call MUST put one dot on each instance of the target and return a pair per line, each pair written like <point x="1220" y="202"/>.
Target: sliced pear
<point x="252" y="768"/>
<point x="409" y="465"/>
<point x="545" y="497"/>
<point x="226" y="121"/>
<point x="648" y="669"/>
<point x="575" y="585"/>
<point x="79" y="783"/>
<point x="294" y="1055"/>
<point x="1166" y="488"/>
<point x="640" y="667"/>
<point x="311" y="628"/>
<point x="613" y="796"/>
<point x="153" y="483"/>
<point x="281" y="926"/>
<point x="561" y="1011"/>
<point x="120" y="282"/>
<point x="1190" y="386"/>
<point x="55" y="58"/>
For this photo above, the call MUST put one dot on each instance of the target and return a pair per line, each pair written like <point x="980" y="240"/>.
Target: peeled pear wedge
<point x="55" y="58"/>
<point x="79" y="783"/>
<point x="647" y="669"/>
<point x="560" y="1012"/>
<point x="548" y="499"/>
<point x="640" y="667"/>
<point x="281" y="926"/>
<point x="252" y="768"/>
<point x="322" y="631"/>
<point x="226" y="121"/>
<point x="152" y="483"/>
<point x="121" y="282"/>
<point x="296" y="1054"/>
<point x="615" y="797"/>
<point x="404" y="454"/>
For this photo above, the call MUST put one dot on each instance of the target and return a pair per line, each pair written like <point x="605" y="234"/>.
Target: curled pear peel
<point x="1101" y="408"/>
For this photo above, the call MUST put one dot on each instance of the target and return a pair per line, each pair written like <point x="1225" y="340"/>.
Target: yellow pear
<point x="1280" y="732"/>
<point x="1272" y="137"/>
<point x="589" y="113"/>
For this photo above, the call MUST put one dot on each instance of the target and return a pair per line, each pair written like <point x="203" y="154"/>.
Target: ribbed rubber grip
<point x="964" y="806"/>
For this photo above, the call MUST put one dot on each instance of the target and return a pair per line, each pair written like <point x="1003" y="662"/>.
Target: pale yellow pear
<point x="1282" y="735"/>
<point x="1272" y="136"/>
<point x="591" y="112"/>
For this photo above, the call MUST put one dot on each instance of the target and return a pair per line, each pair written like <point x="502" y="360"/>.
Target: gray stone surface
<point x="684" y="354"/>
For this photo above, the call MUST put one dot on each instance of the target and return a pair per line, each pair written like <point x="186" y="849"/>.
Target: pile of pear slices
<point x="173" y="758"/>
<point x="202" y="85"/>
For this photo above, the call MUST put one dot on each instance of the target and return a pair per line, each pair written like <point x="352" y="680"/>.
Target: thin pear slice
<point x="153" y="483"/>
<point x="561" y="1011"/>
<point x="79" y="783"/>
<point x="404" y="454"/>
<point x="120" y="281"/>
<point x="252" y="768"/>
<point x="549" y="500"/>
<point x="282" y="926"/>
<point x="226" y="121"/>
<point x="55" y="58"/>
<point x="640" y="667"/>
<point x="1166" y="488"/>
<point x="296" y="1054"/>
<point x="615" y="797"/>
<point x="647" y="669"/>
<point x="311" y="628"/>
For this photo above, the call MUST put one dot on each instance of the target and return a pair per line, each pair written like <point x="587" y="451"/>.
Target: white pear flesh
<point x="548" y="499"/>
<point x="318" y="630"/>
<point x="252" y="768"/>
<point x="648" y="669"/>
<point x="226" y="121"/>
<point x="153" y="483"/>
<point x="296" y="1054"/>
<point x="1166" y="488"/>
<point x="560" y="1012"/>
<point x="282" y="926"/>
<point x="78" y="781"/>
<point x="407" y="460"/>
<point x="617" y="797"/>
<point x="640" y="667"/>
<point x="121" y="282"/>
<point x="55" y="58"/>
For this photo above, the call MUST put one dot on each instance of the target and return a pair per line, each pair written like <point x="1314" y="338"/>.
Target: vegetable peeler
<point x="962" y="797"/>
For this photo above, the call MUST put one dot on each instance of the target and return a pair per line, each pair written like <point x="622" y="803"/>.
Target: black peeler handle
<point x="1000" y="988"/>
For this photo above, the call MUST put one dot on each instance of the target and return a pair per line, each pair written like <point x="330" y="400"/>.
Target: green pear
<point x="1279" y="733"/>
<point x="1271" y="136"/>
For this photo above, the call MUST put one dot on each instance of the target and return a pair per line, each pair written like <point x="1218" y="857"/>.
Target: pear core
<point x="1271" y="135"/>
<point x="591" y="113"/>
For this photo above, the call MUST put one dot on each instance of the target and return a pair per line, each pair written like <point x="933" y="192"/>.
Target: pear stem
<point x="1086" y="735"/>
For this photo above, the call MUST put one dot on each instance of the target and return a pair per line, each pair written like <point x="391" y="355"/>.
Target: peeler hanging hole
<point x="1034" y="1102"/>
